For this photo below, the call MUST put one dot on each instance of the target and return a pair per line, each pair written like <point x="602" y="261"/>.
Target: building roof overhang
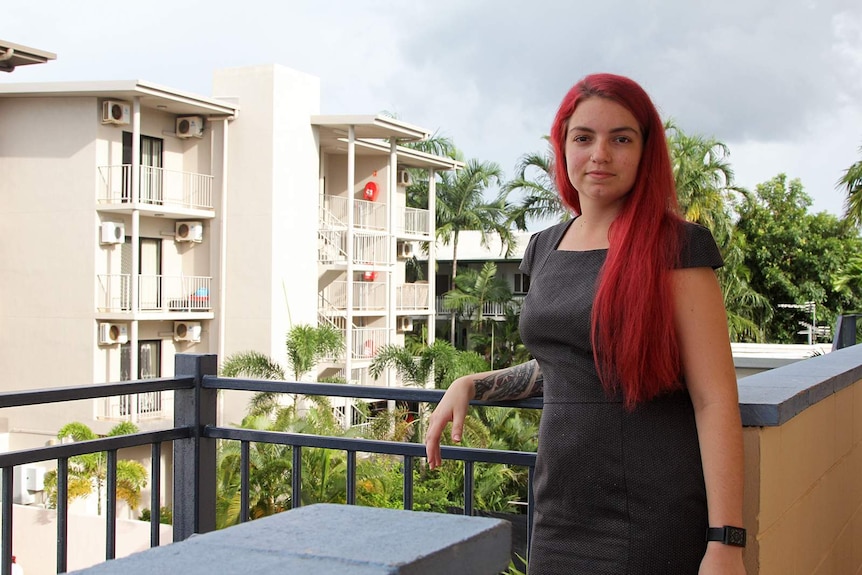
<point x="373" y="135"/>
<point x="13" y="55"/>
<point x="151" y="96"/>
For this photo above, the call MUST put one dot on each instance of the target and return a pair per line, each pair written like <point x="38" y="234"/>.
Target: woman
<point x="640" y="443"/>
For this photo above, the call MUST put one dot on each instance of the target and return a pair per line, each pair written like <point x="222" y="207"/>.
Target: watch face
<point x="736" y="536"/>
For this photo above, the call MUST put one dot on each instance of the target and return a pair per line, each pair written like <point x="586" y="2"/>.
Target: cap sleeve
<point x="699" y="248"/>
<point x="528" y="257"/>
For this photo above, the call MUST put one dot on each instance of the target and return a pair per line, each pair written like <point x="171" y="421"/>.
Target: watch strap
<point x="728" y="535"/>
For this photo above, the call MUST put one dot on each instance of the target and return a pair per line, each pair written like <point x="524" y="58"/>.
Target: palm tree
<point x="88" y="472"/>
<point x="461" y="206"/>
<point x="305" y="344"/>
<point x="473" y="290"/>
<point x="415" y="366"/>
<point x="541" y="200"/>
<point x="851" y="181"/>
<point x="704" y="180"/>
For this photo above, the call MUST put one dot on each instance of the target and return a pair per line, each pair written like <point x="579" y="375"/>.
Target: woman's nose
<point x="600" y="153"/>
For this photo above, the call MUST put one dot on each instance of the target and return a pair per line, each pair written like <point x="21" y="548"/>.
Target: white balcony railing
<point x="370" y="249"/>
<point x="367" y="296"/>
<point x="489" y="309"/>
<point x="157" y="187"/>
<point x="367" y="249"/>
<point x="366" y="215"/>
<point x="414" y="221"/>
<point x="412" y="296"/>
<point x="365" y="342"/>
<point x="155" y="293"/>
<point x="133" y="407"/>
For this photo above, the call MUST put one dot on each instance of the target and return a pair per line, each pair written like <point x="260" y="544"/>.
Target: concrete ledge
<point x="773" y="397"/>
<point x="329" y="539"/>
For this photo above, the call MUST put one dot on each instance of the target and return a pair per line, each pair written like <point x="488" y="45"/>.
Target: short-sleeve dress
<point x="617" y="492"/>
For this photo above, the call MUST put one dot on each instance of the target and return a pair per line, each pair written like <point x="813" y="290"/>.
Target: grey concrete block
<point x="329" y="539"/>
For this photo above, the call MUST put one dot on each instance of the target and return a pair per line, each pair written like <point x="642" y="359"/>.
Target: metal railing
<point x="489" y="309"/>
<point x="414" y="221"/>
<point x="366" y="214"/>
<point x="194" y="437"/>
<point x="157" y="187"/>
<point x="155" y="293"/>
<point x="412" y="296"/>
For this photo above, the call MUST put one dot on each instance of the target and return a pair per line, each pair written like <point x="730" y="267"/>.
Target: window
<point x="149" y="367"/>
<point x="151" y="169"/>
<point x="522" y="284"/>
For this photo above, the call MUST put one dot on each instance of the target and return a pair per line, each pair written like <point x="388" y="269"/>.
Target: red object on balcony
<point x="369" y="276"/>
<point x="370" y="192"/>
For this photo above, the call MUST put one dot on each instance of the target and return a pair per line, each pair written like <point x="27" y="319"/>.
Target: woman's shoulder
<point x="699" y="248"/>
<point x="542" y="242"/>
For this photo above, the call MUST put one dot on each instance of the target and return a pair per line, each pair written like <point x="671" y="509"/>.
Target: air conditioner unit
<point x="187" y="331"/>
<point x="116" y="112"/>
<point x="405" y="250"/>
<point x="112" y="333"/>
<point x="404" y="324"/>
<point x="190" y="127"/>
<point x="189" y="232"/>
<point x="113" y="233"/>
<point x="404" y="178"/>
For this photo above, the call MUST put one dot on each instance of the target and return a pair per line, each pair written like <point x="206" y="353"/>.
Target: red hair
<point x="633" y="336"/>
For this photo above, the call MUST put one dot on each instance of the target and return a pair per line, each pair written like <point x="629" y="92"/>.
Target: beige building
<point x="142" y="221"/>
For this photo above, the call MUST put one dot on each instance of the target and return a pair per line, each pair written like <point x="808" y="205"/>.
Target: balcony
<point x="367" y="297"/>
<point x="412" y="297"/>
<point x="160" y="191"/>
<point x="368" y="250"/>
<point x="490" y="310"/>
<point x="171" y="295"/>
<point x="367" y="215"/>
<point x="803" y="464"/>
<point x="414" y="223"/>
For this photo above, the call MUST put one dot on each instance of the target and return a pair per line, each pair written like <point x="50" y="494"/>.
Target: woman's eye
<point x="581" y="138"/>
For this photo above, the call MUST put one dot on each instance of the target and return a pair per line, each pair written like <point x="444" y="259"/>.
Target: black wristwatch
<point x="728" y="535"/>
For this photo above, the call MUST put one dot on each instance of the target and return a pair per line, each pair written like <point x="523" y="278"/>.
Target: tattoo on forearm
<point x="517" y="382"/>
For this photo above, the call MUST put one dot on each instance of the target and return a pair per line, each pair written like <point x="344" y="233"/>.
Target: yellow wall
<point x="803" y="505"/>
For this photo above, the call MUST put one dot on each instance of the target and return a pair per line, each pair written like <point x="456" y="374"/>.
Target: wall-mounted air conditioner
<point x="116" y="112"/>
<point x="405" y="250"/>
<point x="190" y="127"/>
<point x="187" y="331"/>
<point x="112" y="233"/>
<point x="404" y="178"/>
<point x="113" y="333"/>
<point x="189" y="232"/>
<point x="404" y="323"/>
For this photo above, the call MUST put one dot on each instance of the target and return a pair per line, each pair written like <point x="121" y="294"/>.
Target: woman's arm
<point x="701" y="326"/>
<point x="516" y="382"/>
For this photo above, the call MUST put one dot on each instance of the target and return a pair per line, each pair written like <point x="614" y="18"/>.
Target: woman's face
<point x="603" y="150"/>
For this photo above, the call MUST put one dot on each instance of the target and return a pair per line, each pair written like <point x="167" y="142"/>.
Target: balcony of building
<point x="162" y="192"/>
<point x="490" y="310"/>
<point x="370" y="251"/>
<point x="803" y="473"/>
<point x="159" y="297"/>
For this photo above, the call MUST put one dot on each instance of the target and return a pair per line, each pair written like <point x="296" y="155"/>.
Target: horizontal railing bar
<point x="66" y="450"/>
<point x="342" y="390"/>
<point x="521" y="458"/>
<point x="59" y="394"/>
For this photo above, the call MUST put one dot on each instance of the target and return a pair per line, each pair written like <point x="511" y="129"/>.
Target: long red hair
<point x="633" y="335"/>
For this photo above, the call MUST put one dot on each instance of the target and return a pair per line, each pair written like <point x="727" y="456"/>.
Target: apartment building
<point x="141" y="221"/>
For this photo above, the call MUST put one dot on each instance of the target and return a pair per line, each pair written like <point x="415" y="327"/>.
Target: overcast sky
<point x="780" y="82"/>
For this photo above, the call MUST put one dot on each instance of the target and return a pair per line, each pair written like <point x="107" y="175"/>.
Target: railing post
<point x="194" y="458"/>
<point x="845" y="331"/>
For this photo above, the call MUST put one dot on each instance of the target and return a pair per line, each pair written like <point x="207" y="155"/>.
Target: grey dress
<point x="617" y="492"/>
